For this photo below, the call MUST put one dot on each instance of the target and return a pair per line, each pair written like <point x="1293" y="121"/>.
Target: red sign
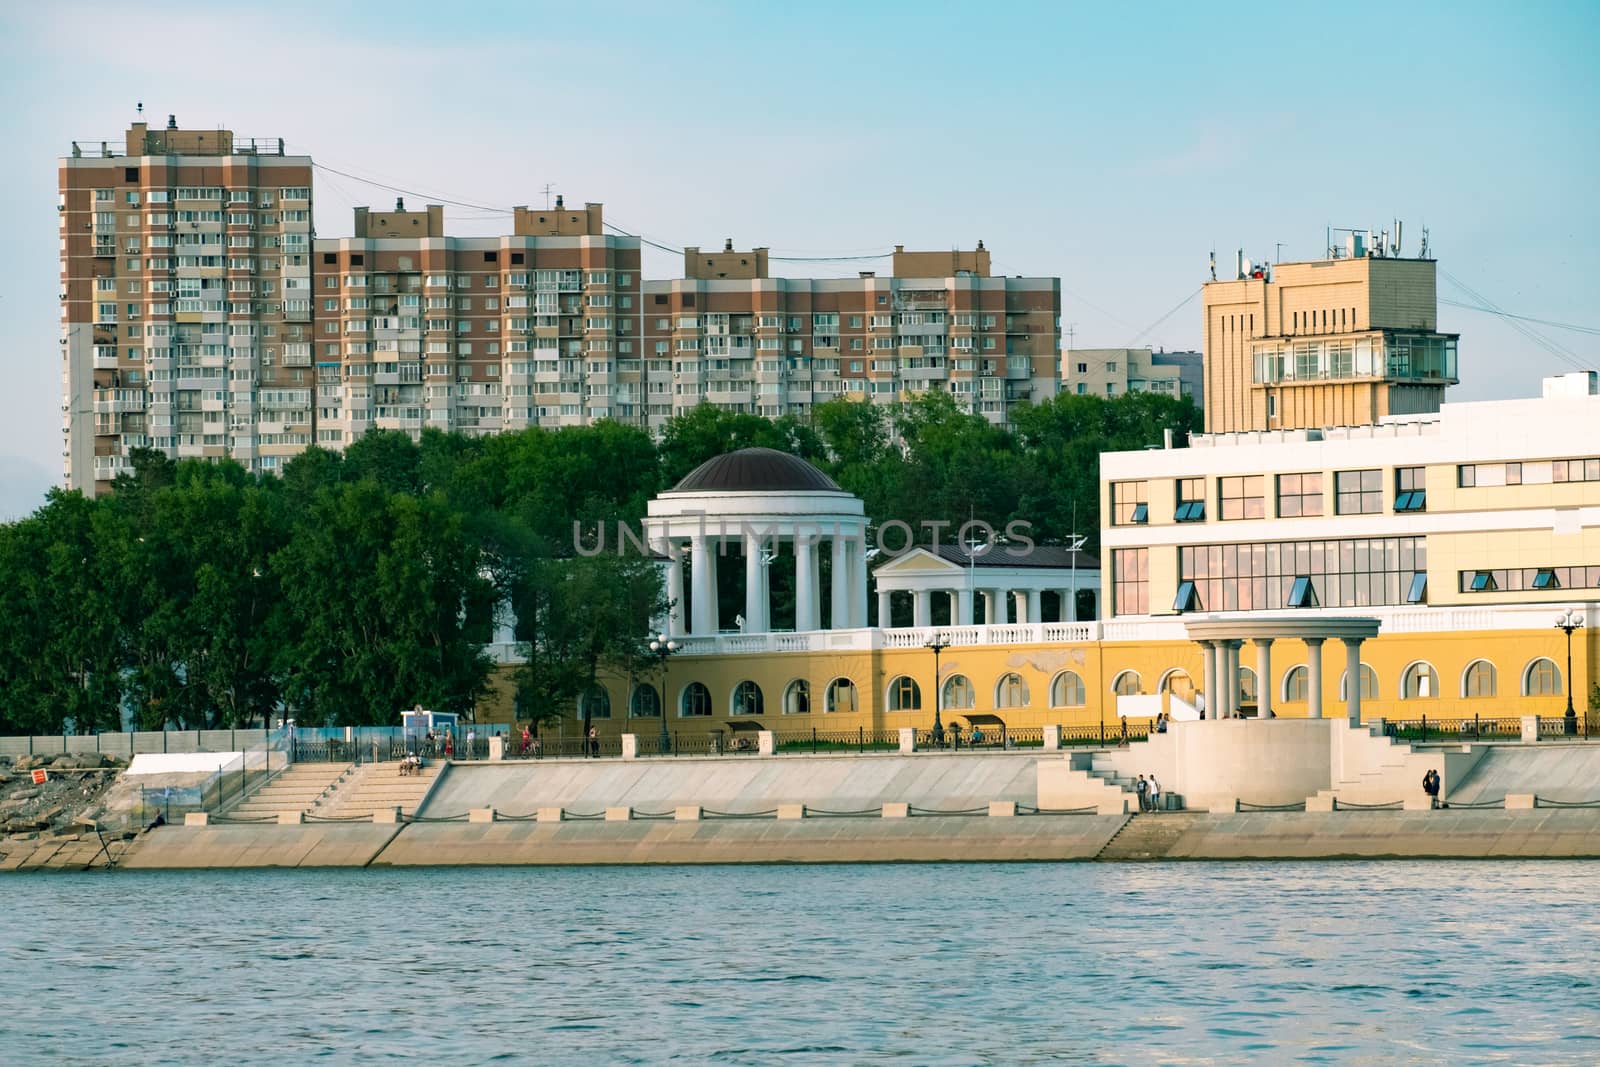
<point x="39" y="777"/>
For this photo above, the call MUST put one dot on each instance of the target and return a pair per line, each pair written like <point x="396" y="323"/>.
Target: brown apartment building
<point x="185" y="300"/>
<point x="1341" y="341"/>
<point x="201" y="317"/>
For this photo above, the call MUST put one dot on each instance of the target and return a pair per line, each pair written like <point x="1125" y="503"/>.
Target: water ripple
<point x="1338" y="963"/>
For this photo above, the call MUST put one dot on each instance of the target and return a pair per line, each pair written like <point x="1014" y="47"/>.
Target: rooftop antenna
<point x="1213" y="264"/>
<point x="1423" y="253"/>
<point x="140" y="107"/>
<point x="547" y="188"/>
<point x="1278" y="258"/>
<point x="1397" y="225"/>
<point x="1072" y="331"/>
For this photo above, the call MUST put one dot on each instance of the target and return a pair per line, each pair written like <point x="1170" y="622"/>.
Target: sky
<point x="1112" y="146"/>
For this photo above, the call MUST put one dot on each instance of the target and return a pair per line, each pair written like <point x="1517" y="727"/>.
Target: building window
<point x="904" y="695"/>
<point x="797" y="698"/>
<point x="959" y="695"/>
<point x="1466" y="476"/>
<point x="1481" y="582"/>
<point x="1417" y="591"/>
<point x="1127" y="684"/>
<point x="1358" y="492"/>
<point x="1130" y="575"/>
<point x="645" y="703"/>
<point x="1575" y="470"/>
<point x="1541" y="679"/>
<point x="1012" y="692"/>
<point x="1526" y="579"/>
<point x="696" y="702"/>
<point x="1410" y="491"/>
<point x="1191" y="500"/>
<point x="1083" y="368"/>
<point x="1513" y="474"/>
<point x="1299" y="495"/>
<point x="1303" y="594"/>
<point x="746" y="699"/>
<point x="1478" y="680"/>
<point x="596" y="704"/>
<point x="1129" y="506"/>
<point x="1187" y="599"/>
<point x="1241" y="497"/>
<point x="1355" y="572"/>
<point x="840" y="697"/>
<point x="1369" y="684"/>
<point x="1066" y="691"/>
<point x="1297" y="685"/>
<point x="1419" y="682"/>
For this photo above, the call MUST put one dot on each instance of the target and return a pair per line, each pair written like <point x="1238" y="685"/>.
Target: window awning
<point x="737" y="725"/>
<point x="980" y="718"/>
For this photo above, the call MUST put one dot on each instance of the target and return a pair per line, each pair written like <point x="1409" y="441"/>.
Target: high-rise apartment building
<point x="200" y="317"/>
<point x="1115" y="371"/>
<point x="729" y="334"/>
<point x="185" y="300"/>
<point x="1342" y="341"/>
<point x="416" y="329"/>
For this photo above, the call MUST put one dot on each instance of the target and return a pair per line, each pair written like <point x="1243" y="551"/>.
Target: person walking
<point x="1143" y="789"/>
<point x="1155" y="794"/>
<point x="594" y="742"/>
<point x="472" y="745"/>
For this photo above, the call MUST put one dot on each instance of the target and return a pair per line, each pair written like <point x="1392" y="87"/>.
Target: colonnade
<point x="705" y="551"/>
<point x="1221" y="643"/>
<point x="1026" y="605"/>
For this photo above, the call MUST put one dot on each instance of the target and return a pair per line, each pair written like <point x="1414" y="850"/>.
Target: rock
<point x="24" y="826"/>
<point x="28" y="763"/>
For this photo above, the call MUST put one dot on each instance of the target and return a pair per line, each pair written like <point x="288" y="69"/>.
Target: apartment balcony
<point x="105" y="362"/>
<point x="118" y="407"/>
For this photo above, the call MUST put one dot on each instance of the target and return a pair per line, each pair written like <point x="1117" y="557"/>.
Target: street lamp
<point x="1568" y="623"/>
<point x="938" y="644"/>
<point x="662" y="648"/>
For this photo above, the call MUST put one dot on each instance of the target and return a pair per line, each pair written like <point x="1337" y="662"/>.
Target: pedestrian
<point x="472" y="745"/>
<point x="1430" y="786"/>
<point x="449" y="746"/>
<point x="594" y="742"/>
<point x="1143" y="789"/>
<point x="526" y="738"/>
<point x="1155" y="794"/>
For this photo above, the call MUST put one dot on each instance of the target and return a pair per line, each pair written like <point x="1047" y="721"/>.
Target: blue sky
<point x="1113" y="149"/>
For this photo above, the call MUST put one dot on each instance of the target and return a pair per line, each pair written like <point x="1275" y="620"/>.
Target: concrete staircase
<point x="296" y="788"/>
<point x="1371" y="768"/>
<point x="378" y="786"/>
<point x="1084" y="780"/>
<point x="1147" y="836"/>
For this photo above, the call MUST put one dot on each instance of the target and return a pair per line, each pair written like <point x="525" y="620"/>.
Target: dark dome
<point x="756" y="470"/>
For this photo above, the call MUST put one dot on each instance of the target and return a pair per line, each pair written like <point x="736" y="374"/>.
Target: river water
<point x="1359" y="963"/>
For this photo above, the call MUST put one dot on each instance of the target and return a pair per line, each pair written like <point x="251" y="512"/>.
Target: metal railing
<point x="1479" y="728"/>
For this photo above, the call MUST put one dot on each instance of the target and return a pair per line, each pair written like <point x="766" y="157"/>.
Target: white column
<point x="1264" y="677"/>
<point x="675" y="595"/>
<point x="922" y="608"/>
<point x="991" y="601"/>
<point x="1208" y="656"/>
<point x="885" y="609"/>
<point x="1352" y="648"/>
<point x="805" y="583"/>
<point x="1227" y="681"/>
<point x="1019" y="604"/>
<point x="964" y="606"/>
<point x="755" y="598"/>
<point x="1035" y="607"/>
<point x="1314" y="682"/>
<point x="840" y="615"/>
<point x="705" y="605"/>
<point x="858" y="588"/>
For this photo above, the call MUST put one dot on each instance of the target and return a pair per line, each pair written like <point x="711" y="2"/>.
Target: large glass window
<point x="1129" y="503"/>
<point x="1242" y="497"/>
<point x="1355" y="572"/>
<point x="1479" y="680"/>
<point x="841" y="696"/>
<point x="1358" y="492"/>
<point x="959" y="694"/>
<point x="1525" y="579"/>
<point x="1299" y="495"/>
<point x="1130" y="576"/>
<point x="747" y="699"/>
<point x="1066" y="691"/>
<point x="1541" y="679"/>
<point x="904" y="695"/>
<point x="1012" y="692"/>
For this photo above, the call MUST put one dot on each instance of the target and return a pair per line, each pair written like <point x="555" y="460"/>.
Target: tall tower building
<point x="1341" y="341"/>
<point x="419" y="330"/>
<point x="185" y="300"/>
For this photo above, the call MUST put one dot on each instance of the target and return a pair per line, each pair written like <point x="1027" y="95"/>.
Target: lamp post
<point x="938" y="644"/>
<point x="662" y="648"/>
<point x="1568" y="623"/>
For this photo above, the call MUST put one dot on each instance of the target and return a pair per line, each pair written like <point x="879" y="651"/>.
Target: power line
<point x="1164" y="318"/>
<point x="1560" y="351"/>
<point x="1523" y="318"/>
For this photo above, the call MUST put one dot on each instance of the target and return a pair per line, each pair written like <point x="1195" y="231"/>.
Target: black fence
<point x="1478" y="728"/>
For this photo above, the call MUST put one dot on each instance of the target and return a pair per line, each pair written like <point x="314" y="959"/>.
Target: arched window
<point x="746" y="699"/>
<point x="959" y="694"/>
<point x="1419" y="682"/>
<point x="1012" y="692"/>
<point x="645" y="702"/>
<point x="1247" y="687"/>
<point x="904" y="694"/>
<point x="1127" y="684"/>
<point x="1541" y="679"/>
<point x="1178" y="683"/>
<point x="1297" y="685"/>
<point x="797" y="698"/>
<point x="1369" y="684"/>
<point x="841" y="696"/>
<point x="595" y="704"/>
<point x="1066" y="691"/>
<point x="696" y="701"/>
<point x="1478" y="680"/>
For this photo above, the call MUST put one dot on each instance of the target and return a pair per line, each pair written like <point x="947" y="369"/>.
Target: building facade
<point x="1114" y="371"/>
<point x="185" y="300"/>
<point x="1336" y="342"/>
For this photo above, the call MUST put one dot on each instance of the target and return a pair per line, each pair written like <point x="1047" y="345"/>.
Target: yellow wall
<point x="1098" y="664"/>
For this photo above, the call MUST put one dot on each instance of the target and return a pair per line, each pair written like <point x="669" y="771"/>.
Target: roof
<point x="1016" y="556"/>
<point x="756" y="470"/>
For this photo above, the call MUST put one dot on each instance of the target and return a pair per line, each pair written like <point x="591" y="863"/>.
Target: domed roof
<point x="756" y="470"/>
